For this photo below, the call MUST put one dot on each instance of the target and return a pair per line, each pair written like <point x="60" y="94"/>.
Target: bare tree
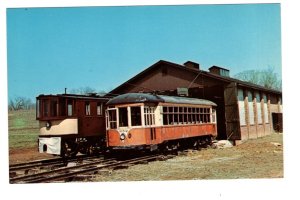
<point x="20" y="103"/>
<point x="267" y="78"/>
<point x="83" y="90"/>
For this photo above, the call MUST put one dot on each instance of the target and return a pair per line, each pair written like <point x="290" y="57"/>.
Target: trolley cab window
<point x="112" y="118"/>
<point x="53" y="107"/>
<point x="124" y="117"/>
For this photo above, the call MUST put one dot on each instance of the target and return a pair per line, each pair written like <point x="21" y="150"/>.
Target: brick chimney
<point x="192" y="65"/>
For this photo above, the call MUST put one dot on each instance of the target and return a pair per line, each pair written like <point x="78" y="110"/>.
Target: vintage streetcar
<point x="71" y="123"/>
<point x="151" y="122"/>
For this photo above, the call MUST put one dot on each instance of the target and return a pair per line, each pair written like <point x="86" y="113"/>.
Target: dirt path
<point x="27" y="154"/>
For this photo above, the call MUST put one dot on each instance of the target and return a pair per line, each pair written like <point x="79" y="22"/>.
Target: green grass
<point x="23" y="129"/>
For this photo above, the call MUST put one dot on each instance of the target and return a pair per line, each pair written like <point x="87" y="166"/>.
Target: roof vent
<point x="192" y="65"/>
<point x="219" y="71"/>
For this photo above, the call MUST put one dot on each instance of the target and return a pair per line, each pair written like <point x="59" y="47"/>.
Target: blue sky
<point x="49" y="49"/>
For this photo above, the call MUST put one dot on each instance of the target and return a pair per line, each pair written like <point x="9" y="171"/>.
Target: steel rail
<point x="37" y="175"/>
<point x="45" y="162"/>
<point x="81" y="169"/>
<point x="96" y="168"/>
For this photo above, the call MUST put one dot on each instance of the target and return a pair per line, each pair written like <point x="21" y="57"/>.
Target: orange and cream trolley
<point x="148" y="121"/>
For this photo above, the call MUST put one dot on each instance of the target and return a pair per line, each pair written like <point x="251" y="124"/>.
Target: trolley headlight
<point x="122" y="136"/>
<point x="48" y="124"/>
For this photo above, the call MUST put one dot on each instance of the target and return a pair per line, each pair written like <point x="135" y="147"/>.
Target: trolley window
<point x="37" y="108"/>
<point x="149" y="116"/>
<point x="123" y="117"/>
<point x="46" y="108"/>
<point x="186" y="115"/>
<point x="62" y="105"/>
<point x="112" y="117"/>
<point x="99" y="108"/>
<point x="54" y="108"/>
<point x="87" y="108"/>
<point x="70" y="108"/>
<point x="136" y="116"/>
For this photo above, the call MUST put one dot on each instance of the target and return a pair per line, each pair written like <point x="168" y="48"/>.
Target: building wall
<point x="162" y="79"/>
<point x="255" y="109"/>
<point x="166" y="78"/>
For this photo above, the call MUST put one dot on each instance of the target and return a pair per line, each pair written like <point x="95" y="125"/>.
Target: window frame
<point x="149" y="115"/>
<point x="108" y="117"/>
<point x="186" y="115"/>
<point x="131" y="118"/>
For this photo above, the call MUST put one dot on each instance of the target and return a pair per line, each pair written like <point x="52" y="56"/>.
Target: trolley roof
<point x="75" y="96"/>
<point x="152" y="98"/>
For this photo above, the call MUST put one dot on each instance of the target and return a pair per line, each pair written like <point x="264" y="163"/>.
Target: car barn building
<point x="244" y="110"/>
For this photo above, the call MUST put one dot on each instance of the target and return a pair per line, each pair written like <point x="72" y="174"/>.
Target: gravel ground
<point x="256" y="158"/>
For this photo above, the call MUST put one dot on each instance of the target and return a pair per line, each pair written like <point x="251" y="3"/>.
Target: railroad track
<point x="32" y="166"/>
<point x="68" y="173"/>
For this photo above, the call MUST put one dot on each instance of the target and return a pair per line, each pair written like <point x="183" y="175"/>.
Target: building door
<point x="232" y="121"/>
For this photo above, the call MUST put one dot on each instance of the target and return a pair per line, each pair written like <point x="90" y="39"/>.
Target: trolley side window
<point x="99" y="108"/>
<point x="112" y="118"/>
<point x="62" y="105"/>
<point x="149" y="116"/>
<point x="87" y="108"/>
<point x="123" y="117"/>
<point x="70" y="108"/>
<point x="54" y="108"/>
<point x="38" y="109"/>
<point x="136" y="116"/>
<point x="187" y="115"/>
<point x="46" y="108"/>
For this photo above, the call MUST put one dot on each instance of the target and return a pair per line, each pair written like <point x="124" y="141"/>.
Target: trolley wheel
<point x="69" y="149"/>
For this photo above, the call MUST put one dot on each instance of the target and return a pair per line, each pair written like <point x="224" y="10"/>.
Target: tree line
<point x="20" y="103"/>
<point x="266" y="78"/>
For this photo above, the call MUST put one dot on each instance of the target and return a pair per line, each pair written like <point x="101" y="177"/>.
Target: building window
<point x="87" y="108"/>
<point x="240" y="95"/>
<point x="266" y="108"/>
<point x="258" y="107"/>
<point x="250" y="108"/>
<point x="241" y="104"/>
<point x="136" y="116"/>
<point x="213" y="116"/>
